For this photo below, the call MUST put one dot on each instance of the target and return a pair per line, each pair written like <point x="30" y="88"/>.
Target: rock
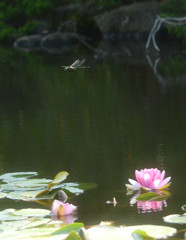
<point x="54" y="42"/>
<point x="59" y="38"/>
<point x="29" y="42"/>
<point x="130" y="21"/>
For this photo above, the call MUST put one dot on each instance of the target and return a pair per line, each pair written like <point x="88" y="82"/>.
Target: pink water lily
<point x="151" y="179"/>
<point x="60" y="209"/>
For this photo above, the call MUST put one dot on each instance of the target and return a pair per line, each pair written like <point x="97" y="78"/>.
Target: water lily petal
<point x="134" y="183"/>
<point x="69" y="208"/>
<point x="138" y="176"/>
<point x="60" y="209"/>
<point x="151" y="178"/>
<point x="164" y="182"/>
<point x="155" y="184"/>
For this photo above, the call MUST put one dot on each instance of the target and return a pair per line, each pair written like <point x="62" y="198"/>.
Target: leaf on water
<point x="107" y="233"/>
<point x="42" y="194"/>
<point x="147" y="196"/>
<point x="120" y="233"/>
<point x="3" y="195"/>
<point x="144" y="189"/>
<point x="33" y="183"/>
<point x="15" y="195"/>
<point x="68" y="228"/>
<point x="8" y="215"/>
<point x="73" y="236"/>
<point x="60" y="177"/>
<point x="32" y="212"/>
<point x="166" y="186"/>
<point x="29" y="195"/>
<point x="16" y="176"/>
<point x="175" y="218"/>
<point x="141" y="235"/>
<point x="154" y="231"/>
<point x="74" y="190"/>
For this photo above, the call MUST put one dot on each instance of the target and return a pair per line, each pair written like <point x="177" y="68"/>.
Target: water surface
<point x="99" y="125"/>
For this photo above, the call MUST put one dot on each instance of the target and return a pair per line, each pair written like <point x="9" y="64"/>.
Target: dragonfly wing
<point x="75" y="64"/>
<point x="80" y="63"/>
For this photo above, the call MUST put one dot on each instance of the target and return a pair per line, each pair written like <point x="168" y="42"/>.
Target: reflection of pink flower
<point x="67" y="219"/>
<point x="149" y="178"/>
<point x="149" y="206"/>
<point x="60" y="209"/>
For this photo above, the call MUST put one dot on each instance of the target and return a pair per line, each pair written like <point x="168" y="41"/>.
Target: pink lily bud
<point x="60" y="209"/>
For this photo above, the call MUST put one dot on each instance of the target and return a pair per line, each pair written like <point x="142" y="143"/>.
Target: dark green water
<point x="99" y="125"/>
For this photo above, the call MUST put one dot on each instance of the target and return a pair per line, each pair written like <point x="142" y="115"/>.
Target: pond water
<point x="99" y="125"/>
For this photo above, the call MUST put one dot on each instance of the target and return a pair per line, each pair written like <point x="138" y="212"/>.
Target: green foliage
<point x="6" y="31"/>
<point x="38" y="7"/>
<point x="173" y="8"/>
<point x="27" y="28"/>
<point x="175" y="65"/>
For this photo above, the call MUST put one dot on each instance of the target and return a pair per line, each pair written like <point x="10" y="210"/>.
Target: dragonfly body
<point x="77" y="64"/>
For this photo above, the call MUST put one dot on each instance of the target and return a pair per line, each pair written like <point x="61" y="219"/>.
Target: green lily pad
<point x="32" y="212"/>
<point x="147" y="196"/>
<point x="33" y="183"/>
<point x="175" y="218"/>
<point x="68" y="228"/>
<point x="111" y="232"/>
<point x="141" y="235"/>
<point x="15" y="195"/>
<point x="16" y="176"/>
<point x="107" y="233"/>
<point x="73" y="236"/>
<point x="60" y="177"/>
<point x="25" y="223"/>
<point x="8" y="215"/>
<point x="3" y="195"/>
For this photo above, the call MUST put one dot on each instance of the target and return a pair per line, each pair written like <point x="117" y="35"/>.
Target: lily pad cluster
<point x="34" y="224"/>
<point x="37" y="224"/>
<point x="26" y="186"/>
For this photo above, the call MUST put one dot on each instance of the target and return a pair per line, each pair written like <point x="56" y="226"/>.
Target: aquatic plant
<point x="60" y="209"/>
<point x="149" y="179"/>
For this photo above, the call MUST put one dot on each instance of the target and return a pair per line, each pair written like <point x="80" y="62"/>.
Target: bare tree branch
<point x="173" y="21"/>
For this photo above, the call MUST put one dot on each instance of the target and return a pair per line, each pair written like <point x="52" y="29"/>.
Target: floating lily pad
<point x="60" y="177"/>
<point x="141" y="235"/>
<point x="32" y="212"/>
<point x="68" y="228"/>
<point x="73" y="236"/>
<point x="16" y="176"/>
<point x="111" y="232"/>
<point x="147" y="196"/>
<point x="8" y="215"/>
<point x="107" y="233"/>
<point x="26" y="223"/>
<point x="175" y="218"/>
<point x="15" y="195"/>
<point x="33" y="183"/>
<point x="2" y="195"/>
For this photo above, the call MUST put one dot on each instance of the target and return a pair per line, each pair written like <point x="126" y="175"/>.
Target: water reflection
<point x="98" y="125"/>
<point x="152" y="203"/>
<point x="67" y="219"/>
<point x="150" y="206"/>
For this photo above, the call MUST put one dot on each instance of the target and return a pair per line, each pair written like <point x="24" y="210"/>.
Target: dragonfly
<point x="77" y="64"/>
